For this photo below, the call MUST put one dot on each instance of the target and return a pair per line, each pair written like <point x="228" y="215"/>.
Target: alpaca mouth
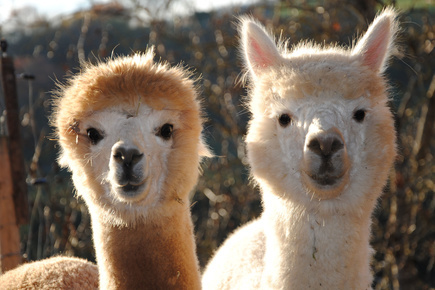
<point x="132" y="189"/>
<point x="326" y="186"/>
<point x="325" y="179"/>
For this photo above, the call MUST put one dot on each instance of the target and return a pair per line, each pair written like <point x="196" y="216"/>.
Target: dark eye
<point x="284" y="120"/>
<point x="94" y="135"/>
<point x="165" y="131"/>
<point x="359" y="115"/>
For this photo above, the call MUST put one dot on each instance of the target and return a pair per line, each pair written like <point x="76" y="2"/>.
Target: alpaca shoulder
<point x="242" y="252"/>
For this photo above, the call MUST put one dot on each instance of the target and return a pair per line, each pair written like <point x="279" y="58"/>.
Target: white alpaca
<point x="320" y="144"/>
<point x="130" y="132"/>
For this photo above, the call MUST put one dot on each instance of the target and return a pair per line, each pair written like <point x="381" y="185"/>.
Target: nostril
<point x="336" y="145"/>
<point x="136" y="157"/>
<point x="314" y="145"/>
<point x="127" y="156"/>
<point x="325" y="146"/>
<point x="119" y="154"/>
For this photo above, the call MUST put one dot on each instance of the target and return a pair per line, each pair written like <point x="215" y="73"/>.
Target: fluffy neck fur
<point x="315" y="250"/>
<point x="150" y="255"/>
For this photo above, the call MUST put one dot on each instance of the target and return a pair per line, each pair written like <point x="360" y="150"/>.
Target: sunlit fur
<point x="52" y="273"/>
<point x="128" y="86"/>
<point x="312" y="235"/>
<point x="143" y="238"/>
<point x="143" y="234"/>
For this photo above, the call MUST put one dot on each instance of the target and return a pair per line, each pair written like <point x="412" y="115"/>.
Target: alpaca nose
<point x="127" y="156"/>
<point x="325" y="144"/>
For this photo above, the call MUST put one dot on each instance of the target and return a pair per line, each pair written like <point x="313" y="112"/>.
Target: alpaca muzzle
<point x="326" y="162"/>
<point x="128" y="168"/>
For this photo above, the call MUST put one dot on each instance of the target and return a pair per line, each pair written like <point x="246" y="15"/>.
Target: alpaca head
<point x="130" y="132"/>
<point x="321" y="131"/>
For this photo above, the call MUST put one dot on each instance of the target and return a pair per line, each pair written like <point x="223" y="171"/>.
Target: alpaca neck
<point x="312" y="250"/>
<point x="150" y="255"/>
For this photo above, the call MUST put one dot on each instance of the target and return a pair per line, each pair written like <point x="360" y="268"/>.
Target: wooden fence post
<point x="18" y="171"/>
<point x="13" y="188"/>
<point x="9" y="234"/>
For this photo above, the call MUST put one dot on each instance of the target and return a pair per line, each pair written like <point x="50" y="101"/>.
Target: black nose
<point x="325" y="145"/>
<point x="127" y="157"/>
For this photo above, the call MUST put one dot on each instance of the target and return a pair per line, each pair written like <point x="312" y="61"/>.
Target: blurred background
<point x="49" y="42"/>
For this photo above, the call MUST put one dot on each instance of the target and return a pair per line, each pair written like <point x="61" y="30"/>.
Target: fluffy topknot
<point x="127" y="81"/>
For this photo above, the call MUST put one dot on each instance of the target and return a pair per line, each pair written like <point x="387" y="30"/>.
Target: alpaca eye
<point x="284" y="120"/>
<point x="94" y="135"/>
<point x="166" y="131"/>
<point x="359" y="115"/>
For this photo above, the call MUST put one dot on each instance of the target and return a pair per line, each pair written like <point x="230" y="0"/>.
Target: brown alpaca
<point x="130" y="132"/>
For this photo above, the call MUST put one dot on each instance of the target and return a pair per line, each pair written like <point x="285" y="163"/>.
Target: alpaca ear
<point x="377" y="45"/>
<point x="258" y="48"/>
